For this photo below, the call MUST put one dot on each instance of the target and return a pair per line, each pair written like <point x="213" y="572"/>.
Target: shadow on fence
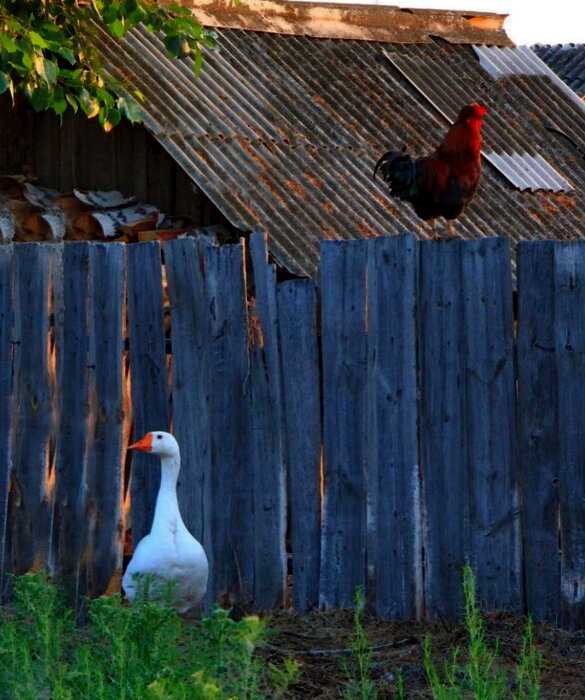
<point x="381" y="428"/>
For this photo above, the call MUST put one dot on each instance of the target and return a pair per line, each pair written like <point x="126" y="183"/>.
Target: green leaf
<point x="59" y="103"/>
<point x="51" y="72"/>
<point x="111" y="12"/>
<point x="98" y="6"/>
<point x="39" y="64"/>
<point x="198" y="62"/>
<point x="39" y="99"/>
<point x="66" y="53"/>
<point x="73" y="76"/>
<point x="88" y="103"/>
<point x="7" y="43"/>
<point x="114" y="117"/>
<point x="37" y="40"/>
<point x="130" y="109"/>
<point x="73" y="102"/>
<point x="47" y="70"/>
<point x="105" y="97"/>
<point x="52" y="31"/>
<point x="4" y="80"/>
<point x="173" y="45"/>
<point x="27" y="59"/>
<point x="117" y="28"/>
<point x="130" y="6"/>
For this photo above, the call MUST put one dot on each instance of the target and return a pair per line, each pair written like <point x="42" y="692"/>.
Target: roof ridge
<point x="383" y="23"/>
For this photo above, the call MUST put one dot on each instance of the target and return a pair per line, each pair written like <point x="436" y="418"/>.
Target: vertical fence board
<point x="31" y="497"/>
<point x="539" y="428"/>
<point x="230" y="545"/>
<point x="490" y="422"/>
<point x="467" y="424"/>
<point x="6" y="355"/>
<point x="70" y="522"/>
<point x="569" y="271"/>
<point x="442" y="431"/>
<point x="266" y="435"/>
<point x="148" y="365"/>
<point x="190" y="393"/>
<point x="106" y="451"/>
<point x="393" y="472"/>
<point x="301" y="399"/>
<point x="343" y="323"/>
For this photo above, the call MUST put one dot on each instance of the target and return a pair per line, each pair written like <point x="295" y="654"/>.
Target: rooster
<point x="443" y="183"/>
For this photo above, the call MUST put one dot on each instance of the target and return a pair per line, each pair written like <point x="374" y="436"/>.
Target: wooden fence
<point x="382" y="427"/>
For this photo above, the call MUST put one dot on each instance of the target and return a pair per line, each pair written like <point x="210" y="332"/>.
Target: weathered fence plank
<point x="230" y="545"/>
<point x="394" y="540"/>
<point x="301" y="402"/>
<point x="343" y="324"/>
<point x="490" y="422"/>
<point x="442" y="431"/>
<point x="538" y="406"/>
<point x="105" y="449"/>
<point x="569" y="310"/>
<point x="70" y="530"/>
<point x="266" y="435"/>
<point x="148" y="365"/>
<point x="467" y="424"/>
<point x="31" y="496"/>
<point x="6" y="355"/>
<point x="190" y="392"/>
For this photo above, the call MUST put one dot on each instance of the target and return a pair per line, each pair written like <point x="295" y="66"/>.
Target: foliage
<point x="529" y="668"/>
<point x="138" y="652"/>
<point x="46" y="52"/>
<point x="479" y="678"/>
<point x="360" y="685"/>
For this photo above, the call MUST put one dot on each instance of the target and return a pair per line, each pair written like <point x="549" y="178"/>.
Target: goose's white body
<point x="169" y="552"/>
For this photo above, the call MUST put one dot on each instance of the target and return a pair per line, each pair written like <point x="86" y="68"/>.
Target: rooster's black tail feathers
<point x="398" y="169"/>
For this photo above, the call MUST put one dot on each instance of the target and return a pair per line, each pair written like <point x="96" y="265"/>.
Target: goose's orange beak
<point x="144" y="445"/>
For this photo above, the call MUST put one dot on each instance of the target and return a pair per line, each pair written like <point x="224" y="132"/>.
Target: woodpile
<point x="29" y="212"/>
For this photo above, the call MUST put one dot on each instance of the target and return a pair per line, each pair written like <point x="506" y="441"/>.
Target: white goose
<point x="169" y="552"/>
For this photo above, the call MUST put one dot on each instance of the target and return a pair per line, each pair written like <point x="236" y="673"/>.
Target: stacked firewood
<point x="29" y="212"/>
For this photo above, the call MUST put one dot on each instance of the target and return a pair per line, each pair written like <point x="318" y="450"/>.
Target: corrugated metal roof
<point x="529" y="172"/>
<point x="521" y="60"/>
<point x="568" y="62"/>
<point x="282" y="132"/>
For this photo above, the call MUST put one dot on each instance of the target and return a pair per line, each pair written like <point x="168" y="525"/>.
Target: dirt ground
<point x="319" y="642"/>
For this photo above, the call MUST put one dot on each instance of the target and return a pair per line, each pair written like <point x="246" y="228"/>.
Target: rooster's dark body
<point x="443" y="183"/>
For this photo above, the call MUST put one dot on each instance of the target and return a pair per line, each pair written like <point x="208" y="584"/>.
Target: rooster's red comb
<point x="472" y="111"/>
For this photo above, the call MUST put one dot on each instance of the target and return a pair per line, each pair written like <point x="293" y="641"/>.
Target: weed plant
<point x="360" y="685"/>
<point x="139" y="652"/>
<point x="480" y="677"/>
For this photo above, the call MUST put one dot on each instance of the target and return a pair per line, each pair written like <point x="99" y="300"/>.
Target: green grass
<point x="481" y="677"/>
<point x="139" y="652"/>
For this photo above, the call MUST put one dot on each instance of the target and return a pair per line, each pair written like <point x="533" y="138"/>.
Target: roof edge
<point x="360" y="22"/>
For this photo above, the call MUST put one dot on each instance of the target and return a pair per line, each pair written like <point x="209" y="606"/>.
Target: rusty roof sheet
<point x="282" y="132"/>
<point x="568" y="62"/>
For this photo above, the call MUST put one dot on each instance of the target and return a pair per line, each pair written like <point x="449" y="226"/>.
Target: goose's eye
<point x="159" y="437"/>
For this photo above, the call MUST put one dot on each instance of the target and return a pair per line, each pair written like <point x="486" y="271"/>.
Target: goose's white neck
<point x="166" y="512"/>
